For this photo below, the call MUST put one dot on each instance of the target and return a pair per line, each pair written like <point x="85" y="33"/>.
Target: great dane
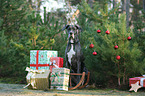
<point x="73" y="54"/>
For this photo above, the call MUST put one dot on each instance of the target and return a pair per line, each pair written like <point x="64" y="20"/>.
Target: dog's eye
<point x="69" y="28"/>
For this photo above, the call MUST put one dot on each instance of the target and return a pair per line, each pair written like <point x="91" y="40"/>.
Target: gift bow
<point x="54" y="63"/>
<point x="55" y="77"/>
<point x="33" y="73"/>
<point x="142" y="81"/>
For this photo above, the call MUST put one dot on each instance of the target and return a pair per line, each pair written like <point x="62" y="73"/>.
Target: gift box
<point x="40" y="59"/>
<point x="37" y="79"/>
<point x="135" y="79"/>
<point x="57" y="62"/>
<point x="60" y="78"/>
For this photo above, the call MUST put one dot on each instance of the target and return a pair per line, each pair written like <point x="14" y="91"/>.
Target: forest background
<point x="22" y="29"/>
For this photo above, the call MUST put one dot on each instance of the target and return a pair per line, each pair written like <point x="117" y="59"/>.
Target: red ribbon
<point x="37" y="59"/>
<point x="38" y="65"/>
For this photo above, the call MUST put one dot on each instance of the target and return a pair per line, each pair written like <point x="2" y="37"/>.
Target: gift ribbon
<point x="37" y="59"/>
<point x="55" y="77"/>
<point x="142" y="81"/>
<point x="54" y="64"/>
<point x="58" y="61"/>
<point x="38" y="65"/>
<point x="33" y="72"/>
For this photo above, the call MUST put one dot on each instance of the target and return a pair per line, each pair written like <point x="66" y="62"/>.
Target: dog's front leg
<point x="66" y="55"/>
<point x="78" y="69"/>
<point x="66" y="58"/>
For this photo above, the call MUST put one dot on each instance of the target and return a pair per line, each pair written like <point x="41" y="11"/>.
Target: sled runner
<point x="81" y="83"/>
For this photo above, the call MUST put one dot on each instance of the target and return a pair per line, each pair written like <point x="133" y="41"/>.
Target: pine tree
<point x="105" y="66"/>
<point x="35" y="35"/>
<point x="137" y="15"/>
<point x="3" y="52"/>
<point x="13" y="13"/>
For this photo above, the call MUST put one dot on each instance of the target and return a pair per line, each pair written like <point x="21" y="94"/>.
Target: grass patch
<point x="12" y="80"/>
<point x="18" y="89"/>
<point x="78" y="92"/>
<point x="109" y="92"/>
<point x="1" y="88"/>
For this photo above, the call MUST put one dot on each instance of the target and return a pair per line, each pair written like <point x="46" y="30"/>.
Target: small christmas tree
<point x="120" y="62"/>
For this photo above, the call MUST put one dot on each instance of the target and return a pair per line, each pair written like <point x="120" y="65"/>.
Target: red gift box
<point x="135" y="79"/>
<point x="58" y="62"/>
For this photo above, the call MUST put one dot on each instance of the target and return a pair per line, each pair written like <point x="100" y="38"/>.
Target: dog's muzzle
<point x="71" y="38"/>
<point x="71" y="35"/>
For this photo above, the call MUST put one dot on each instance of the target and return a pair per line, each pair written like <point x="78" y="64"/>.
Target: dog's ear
<point x="78" y="27"/>
<point x="65" y="27"/>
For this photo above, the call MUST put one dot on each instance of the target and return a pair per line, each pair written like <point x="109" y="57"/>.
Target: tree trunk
<point x="144" y="5"/>
<point x="118" y="74"/>
<point x="125" y="10"/>
<point x="38" y="5"/>
<point x="127" y="13"/>
<point x="124" y="75"/>
<point x="90" y="2"/>
<point x="124" y="6"/>
<point x="45" y="18"/>
<point x="30" y="4"/>
<point x="114" y="3"/>
<point x="138" y="2"/>
<point x="119" y="81"/>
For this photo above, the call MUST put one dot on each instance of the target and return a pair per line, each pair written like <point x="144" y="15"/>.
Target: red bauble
<point x="116" y="47"/>
<point x="91" y="45"/>
<point x="118" y="57"/>
<point x="129" y="38"/>
<point x="107" y="32"/>
<point x="98" y="31"/>
<point x="94" y="53"/>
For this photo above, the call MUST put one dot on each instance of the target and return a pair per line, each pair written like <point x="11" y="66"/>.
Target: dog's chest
<point x="71" y="53"/>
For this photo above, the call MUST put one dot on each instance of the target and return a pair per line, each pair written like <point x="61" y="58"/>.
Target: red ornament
<point x="118" y="57"/>
<point x="116" y="47"/>
<point x="94" y="53"/>
<point x="91" y="45"/>
<point x="98" y="31"/>
<point x="107" y="32"/>
<point x="129" y="38"/>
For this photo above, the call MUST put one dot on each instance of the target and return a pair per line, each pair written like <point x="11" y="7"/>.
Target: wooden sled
<point x="81" y="80"/>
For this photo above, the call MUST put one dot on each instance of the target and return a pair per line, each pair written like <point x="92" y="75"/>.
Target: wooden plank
<point x="77" y="74"/>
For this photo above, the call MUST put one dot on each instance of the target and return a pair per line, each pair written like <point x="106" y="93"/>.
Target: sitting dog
<point x="73" y="54"/>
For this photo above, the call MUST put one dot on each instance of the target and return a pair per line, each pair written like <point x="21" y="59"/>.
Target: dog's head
<point x="72" y="30"/>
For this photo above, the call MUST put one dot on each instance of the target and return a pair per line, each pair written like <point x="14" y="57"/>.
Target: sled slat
<point x="82" y="79"/>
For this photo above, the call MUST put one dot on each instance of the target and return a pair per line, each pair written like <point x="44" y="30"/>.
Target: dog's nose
<point x="71" y="32"/>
